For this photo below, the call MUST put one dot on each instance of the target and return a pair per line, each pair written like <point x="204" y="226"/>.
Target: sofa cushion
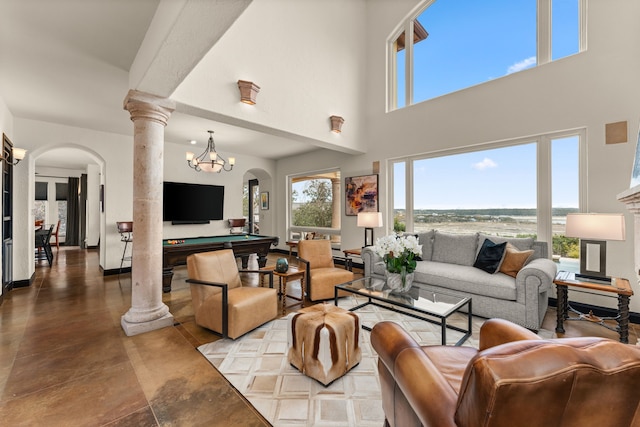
<point x="520" y="243"/>
<point x="426" y="240"/>
<point x="466" y="279"/>
<point x="514" y="260"/>
<point x="455" y="248"/>
<point x="490" y="256"/>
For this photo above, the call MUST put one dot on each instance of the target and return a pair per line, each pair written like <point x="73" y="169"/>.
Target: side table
<point x="349" y="261"/>
<point x="293" y="273"/>
<point x="618" y="286"/>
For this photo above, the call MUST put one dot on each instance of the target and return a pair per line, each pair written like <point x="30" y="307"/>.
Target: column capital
<point x="142" y="105"/>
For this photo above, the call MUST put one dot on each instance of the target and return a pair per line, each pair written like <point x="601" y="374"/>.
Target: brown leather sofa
<point x="514" y="379"/>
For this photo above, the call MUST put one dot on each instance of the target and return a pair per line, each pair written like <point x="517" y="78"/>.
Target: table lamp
<point x="369" y="220"/>
<point x="593" y="231"/>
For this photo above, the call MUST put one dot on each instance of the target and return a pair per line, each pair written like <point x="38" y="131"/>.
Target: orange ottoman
<point x="324" y="341"/>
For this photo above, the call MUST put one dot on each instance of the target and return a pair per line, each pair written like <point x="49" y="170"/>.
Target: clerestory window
<point x="446" y="47"/>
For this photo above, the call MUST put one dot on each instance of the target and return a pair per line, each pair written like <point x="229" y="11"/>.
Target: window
<point x="509" y="189"/>
<point x="61" y="200"/>
<point x="399" y="198"/>
<point x="455" y="47"/>
<point x="565" y="192"/>
<point x="315" y="204"/>
<point x="40" y="203"/>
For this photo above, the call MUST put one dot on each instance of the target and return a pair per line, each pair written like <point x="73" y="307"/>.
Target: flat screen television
<point x="192" y="203"/>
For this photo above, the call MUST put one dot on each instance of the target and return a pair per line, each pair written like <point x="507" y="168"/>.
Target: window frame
<point x="300" y="229"/>
<point x="543" y="47"/>
<point x="544" y="179"/>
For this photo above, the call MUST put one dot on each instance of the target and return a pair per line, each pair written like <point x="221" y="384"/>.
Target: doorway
<point x="253" y="207"/>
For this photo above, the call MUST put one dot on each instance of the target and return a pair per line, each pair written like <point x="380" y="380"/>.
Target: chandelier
<point x="209" y="160"/>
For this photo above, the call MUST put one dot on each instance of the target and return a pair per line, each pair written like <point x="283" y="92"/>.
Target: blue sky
<point x="497" y="178"/>
<point x="467" y="45"/>
<point x="484" y="40"/>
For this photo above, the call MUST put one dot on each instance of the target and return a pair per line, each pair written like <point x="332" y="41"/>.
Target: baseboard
<point x="597" y="310"/>
<point x="115" y="271"/>
<point x="24" y="283"/>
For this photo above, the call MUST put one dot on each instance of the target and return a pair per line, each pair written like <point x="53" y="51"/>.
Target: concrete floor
<point x="65" y="361"/>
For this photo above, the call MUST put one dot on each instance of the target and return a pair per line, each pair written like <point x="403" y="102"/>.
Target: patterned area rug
<point x="256" y="365"/>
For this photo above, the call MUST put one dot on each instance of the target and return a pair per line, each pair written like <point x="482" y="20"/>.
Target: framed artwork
<point x="361" y="194"/>
<point x="264" y="201"/>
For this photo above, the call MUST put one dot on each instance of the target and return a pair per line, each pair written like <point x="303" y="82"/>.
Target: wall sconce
<point x="593" y="231"/>
<point x="248" y="91"/>
<point x="336" y="124"/>
<point x="17" y="154"/>
<point x="369" y="220"/>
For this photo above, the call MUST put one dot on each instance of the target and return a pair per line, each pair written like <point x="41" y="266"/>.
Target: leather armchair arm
<point x="225" y="302"/>
<point x="499" y="331"/>
<point x="425" y="388"/>
<point x="307" y="279"/>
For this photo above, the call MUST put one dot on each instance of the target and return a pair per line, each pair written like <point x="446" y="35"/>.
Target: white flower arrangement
<point x="398" y="251"/>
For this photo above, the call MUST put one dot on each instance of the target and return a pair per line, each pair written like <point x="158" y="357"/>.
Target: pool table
<point x="176" y="251"/>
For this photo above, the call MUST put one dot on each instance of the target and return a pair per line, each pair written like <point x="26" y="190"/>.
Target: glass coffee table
<point x="416" y="302"/>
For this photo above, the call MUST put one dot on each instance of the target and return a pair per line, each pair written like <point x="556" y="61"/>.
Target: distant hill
<point x="488" y="212"/>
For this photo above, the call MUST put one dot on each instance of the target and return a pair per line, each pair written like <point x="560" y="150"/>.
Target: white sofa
<point x="447" y="263"/>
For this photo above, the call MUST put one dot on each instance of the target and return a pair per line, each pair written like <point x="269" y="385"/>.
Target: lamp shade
<point x="595" y="226"/>
<point x="369" y="219"/>
<point x="18" y="153"/>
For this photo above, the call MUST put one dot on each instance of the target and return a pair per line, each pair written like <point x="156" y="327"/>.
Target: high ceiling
<point x="67" y="62"/>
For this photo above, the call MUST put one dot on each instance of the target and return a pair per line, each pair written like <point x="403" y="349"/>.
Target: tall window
<point x="506" y="189"/>
<point x="40" y="203"/>
<point x="399" y="197"/>
<point x="455" y="47"/>
<point x="493" y="191"/>
<point x="61" y="201"/>
<point x="315" y="204"/>
<point x="565" y="194"/>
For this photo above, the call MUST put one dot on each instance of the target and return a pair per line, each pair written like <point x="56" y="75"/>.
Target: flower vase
<point x="399" y="282"/>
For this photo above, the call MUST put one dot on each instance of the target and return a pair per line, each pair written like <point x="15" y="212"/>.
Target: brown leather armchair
<point x="514" y="379"/>
<point x="220" y="302"/>
<point x="322" y="274"/>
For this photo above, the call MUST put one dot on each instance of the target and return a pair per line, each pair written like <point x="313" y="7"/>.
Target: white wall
<point x="176" y="169"/>
<point x="112" y="152"/>
<point x="586" y="90"/>
<point x="93" y="205"/>
<point x="308" y="59"/>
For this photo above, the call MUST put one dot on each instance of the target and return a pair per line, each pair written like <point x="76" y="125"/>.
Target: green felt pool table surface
<point x="214" y="239"/>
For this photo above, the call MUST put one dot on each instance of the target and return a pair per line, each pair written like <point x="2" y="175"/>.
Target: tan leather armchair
<point x="220" y="302"/>
<point x="322" y="274"/>
<point x="514" y="379"/>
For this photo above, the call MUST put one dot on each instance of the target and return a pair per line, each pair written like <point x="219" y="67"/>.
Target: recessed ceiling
<point x="67" y="62"/>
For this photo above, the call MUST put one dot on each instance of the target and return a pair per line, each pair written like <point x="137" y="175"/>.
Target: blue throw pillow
<point x="490" y="256"/>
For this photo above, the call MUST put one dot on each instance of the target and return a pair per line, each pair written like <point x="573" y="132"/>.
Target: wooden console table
<point x="618" y="286"/>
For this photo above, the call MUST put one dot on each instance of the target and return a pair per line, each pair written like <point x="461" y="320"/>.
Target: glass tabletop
<point x="437" y="303"/>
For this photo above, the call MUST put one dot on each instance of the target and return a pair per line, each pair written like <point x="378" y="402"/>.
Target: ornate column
<point x="149" y="114"/>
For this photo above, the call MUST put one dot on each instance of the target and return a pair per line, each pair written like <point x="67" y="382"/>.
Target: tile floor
<point x="65" y="361"/>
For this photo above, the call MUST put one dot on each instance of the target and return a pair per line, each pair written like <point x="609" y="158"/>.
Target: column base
<point x="139" y="328"/>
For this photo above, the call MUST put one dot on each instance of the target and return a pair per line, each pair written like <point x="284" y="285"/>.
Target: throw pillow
<point x="514" y="260"/>
<point x="490" y="256"/>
